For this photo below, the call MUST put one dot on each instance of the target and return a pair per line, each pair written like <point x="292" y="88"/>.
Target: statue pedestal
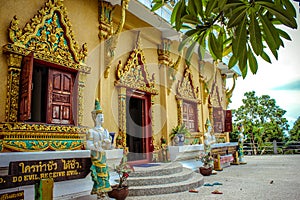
<point x="63" y="190"/>
<point x="185" y="152"/>
<point x="188" y="154"/>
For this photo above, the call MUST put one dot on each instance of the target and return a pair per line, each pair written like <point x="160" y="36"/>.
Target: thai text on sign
<point x="29" y="172"/>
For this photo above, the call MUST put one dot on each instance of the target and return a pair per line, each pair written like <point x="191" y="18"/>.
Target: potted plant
<point x="207" y="161"/>
<point x="178" y="134"/>
<point x="120" y="191"/>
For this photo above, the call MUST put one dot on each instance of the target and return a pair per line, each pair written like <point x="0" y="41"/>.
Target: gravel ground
<point x="263" y="177"/>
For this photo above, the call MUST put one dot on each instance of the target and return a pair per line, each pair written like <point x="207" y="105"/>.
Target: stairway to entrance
<point x="162" y="178"/>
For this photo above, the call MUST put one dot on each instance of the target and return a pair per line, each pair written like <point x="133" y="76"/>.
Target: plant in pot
<point x="120" y="191"/>
<point x="207" y="161"/>
<point x="178" y="134"/>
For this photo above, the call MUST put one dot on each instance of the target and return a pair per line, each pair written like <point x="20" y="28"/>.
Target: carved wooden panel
<point x="228" y="121"/>
<point x="60" y="94"/>
<point x="26" y="85"/>
<point x="218" y="118"/>
<point x="189" y="112"/>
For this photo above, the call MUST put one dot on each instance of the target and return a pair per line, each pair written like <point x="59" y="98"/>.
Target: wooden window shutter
<point x="60" y="97"/>
<point x="218" y="117"/>
<point x="228" y="121"/>
<point x="25" y="88"/>
<point x="190" y="116"/>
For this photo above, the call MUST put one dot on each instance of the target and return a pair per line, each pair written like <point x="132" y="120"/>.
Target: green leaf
<point x="157" y="6"/>
<point x="289" y="7"/>
<point x="239" y="41"/>
<point x="214" y="47"/>
<point x="201" y="52"/>
<point x="265" y="56"/>
<point x="237" y="17"/>
<point x="232" y="61"/>
<point x="255" y="34"/>
<point x="252" y="61"/>
<point x="192" y="8"/>
<point x="243" y="61"/>
<point x="210" y="6"/>
<point x="179" y="14"/>
<point x="199" y="7"/>
<point x="281" y="14"/>
<point x="284" y="34"/>
<point x="184" y="42"/>
<point x="191" y="32"/>
<point x="174" y="13"/>
<point x="222" y="3"/>
<point x="232" y="5"/>
<point x="227" y="50"/>
<point x="221" y="38"/>
<point x="190" y="19"/>
<point x="271" y="35"/>
<point x="190" y="51"/>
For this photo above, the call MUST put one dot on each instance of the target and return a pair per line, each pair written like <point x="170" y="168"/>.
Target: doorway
<point x="138" y="128"/>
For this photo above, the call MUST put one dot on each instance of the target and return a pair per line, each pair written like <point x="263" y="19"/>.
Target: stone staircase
<point x="166" y="178"/>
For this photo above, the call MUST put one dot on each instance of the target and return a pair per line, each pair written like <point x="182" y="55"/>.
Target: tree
<point x="262" y="119"/>
<point x="239" y="29"/>
<point x="295" y="131"/>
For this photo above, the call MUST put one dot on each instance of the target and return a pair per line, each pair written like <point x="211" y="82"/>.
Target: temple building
<point x="58" y="56"/>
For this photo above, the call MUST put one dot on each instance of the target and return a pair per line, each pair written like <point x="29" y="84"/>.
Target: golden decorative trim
<point x="207" y="82"/>
<point x="106" y="30"/>
<point x="134" y="73"/>
<point x="40" y="137"/>
<point x="179" y="110"/>
<point x="121" y="137"/>
<point x="13" y="79"/>
<point x="48" y="34"/>
<point x="134" y="76"/>
<point x="105" y="19"/>
<point x="186" y="88"/>
<point x="230" y="91"/>
<point x="19" y="126"/>
<point x="163" y="52"/>
<point x="81" y="86"/>
<point x="186" y="91"/>
<point x="164" y="59"/>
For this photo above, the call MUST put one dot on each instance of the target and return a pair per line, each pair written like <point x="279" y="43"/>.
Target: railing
<point x="272" y="148"/>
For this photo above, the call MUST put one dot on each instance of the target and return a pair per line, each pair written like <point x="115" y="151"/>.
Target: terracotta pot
<point x="118" y="193"/>
<point x="205" y="171"/>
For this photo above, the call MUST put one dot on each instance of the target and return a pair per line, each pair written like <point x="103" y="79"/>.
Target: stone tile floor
<point x="273" y="177"/>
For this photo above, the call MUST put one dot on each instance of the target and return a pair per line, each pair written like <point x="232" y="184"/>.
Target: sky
<point x="280" y="80"/>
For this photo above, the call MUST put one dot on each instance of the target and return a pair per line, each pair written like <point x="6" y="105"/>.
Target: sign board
<point x="29" y="172"/>
<point x="16" y="195"/>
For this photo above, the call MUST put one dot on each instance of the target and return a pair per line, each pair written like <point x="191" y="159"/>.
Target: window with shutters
<point x="190" y="115"/>
<point x="47" y="93"/>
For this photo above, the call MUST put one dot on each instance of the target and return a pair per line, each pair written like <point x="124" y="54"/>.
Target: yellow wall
<point x="83" y="16"/>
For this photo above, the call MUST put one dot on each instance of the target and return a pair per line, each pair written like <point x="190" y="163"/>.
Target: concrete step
<point x="164" y="179"/>
<point x="162" y="169"/>
<point x="193" y="182"/>
<point x="185" y="174"/>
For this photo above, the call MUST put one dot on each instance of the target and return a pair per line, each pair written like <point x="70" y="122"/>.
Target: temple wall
<point x="83" y="16"/>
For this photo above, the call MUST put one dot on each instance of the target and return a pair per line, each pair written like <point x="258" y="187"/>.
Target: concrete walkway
<point x="263" y="178"/>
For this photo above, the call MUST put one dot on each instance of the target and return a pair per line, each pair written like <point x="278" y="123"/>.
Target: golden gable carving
<point x="186" y="89"/>
<point x="49" y="35"/>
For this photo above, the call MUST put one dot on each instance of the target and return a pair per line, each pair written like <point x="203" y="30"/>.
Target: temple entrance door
<point x="138" y="128"/>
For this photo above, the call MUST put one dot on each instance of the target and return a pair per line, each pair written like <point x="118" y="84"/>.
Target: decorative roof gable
<point x="186" y="89"/>
<point x="134" y="73"/>
<point x="49" y="35"/>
